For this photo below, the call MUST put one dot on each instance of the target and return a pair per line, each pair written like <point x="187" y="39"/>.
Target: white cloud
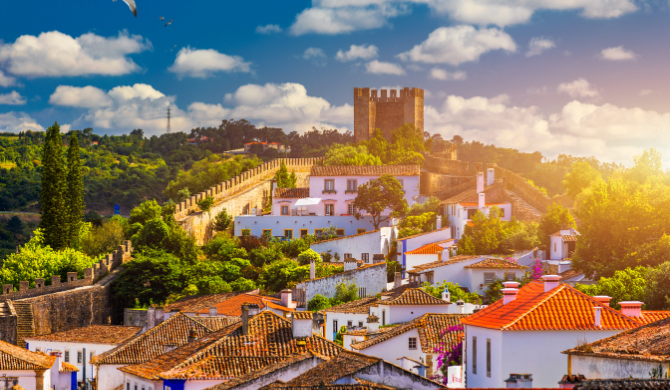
<point x="538" y="44"/>
<point x="86" y="97"/>
<point x="54" y="54"/>
<point x="12" y="98"/>
<point x="313" y="52"/>
<point x="269" y="29"/>
<point x="456" y="45"/>
<point x="14" y="122"/>
<point x="6" y="81"/>
<point x="617" y="54"/>
<point x="646" y="92"/>
<point x="441" y="74"/>
<point x="578" y="88"/>
<point x="341" y="20"/>
<point x="355" y="52"/>
<point x="203" y="63"/>
<point x="377" y="67"/>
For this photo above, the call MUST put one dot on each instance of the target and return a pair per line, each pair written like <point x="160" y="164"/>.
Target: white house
<point x="562" y="244"/>
<point x="440" y="236"/>
<point x="30" y="370"/>
<point x="78" y="346"/>
<point x="526" y="331"/>
<point x="353" y="315"/>
<point x="473" y="273"/>
<point x="408" y="305"/>
<point x="362" y="246"/>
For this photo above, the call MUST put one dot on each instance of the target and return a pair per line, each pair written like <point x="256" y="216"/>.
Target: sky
<point x="580" y="77"/>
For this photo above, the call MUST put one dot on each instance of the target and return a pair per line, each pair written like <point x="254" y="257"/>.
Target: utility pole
<point x="168" y="119"/>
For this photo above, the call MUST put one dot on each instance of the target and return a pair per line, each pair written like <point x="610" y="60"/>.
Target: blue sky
<point x="584" y="77"/>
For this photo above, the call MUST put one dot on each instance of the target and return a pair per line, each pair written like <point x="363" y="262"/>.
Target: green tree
<point x="145" y="212"/>
<point x="280" y="274"/>
<point x="350" y="155"/>
<point x="657" y="290"/>
<point x="15" y="225"/>
<point x="407" y="145"/>
<point x="556" y="218"/>
<point x="74" y="199"/>
<point x="205" y="204"/>
<point x="308" y="256"/>
<point x="339" y="337"/>
<point x="455" y="292"/>
<point x="484" y="234"/>
<point x="222" y="221"/>
<point x="523" y="235"/>
<point x="53" y="208"/>
<point x="581" y="176"/>
<point x="223" y="247"/>
<point x="629" y="284"/>
<point x="317" y="303"/>
<point x="378" y="195"/>
<point x="103" y="239"/>
<point x="411" y="224"/>
<point x="344" y="292"/>
<point x="284" y="180"/>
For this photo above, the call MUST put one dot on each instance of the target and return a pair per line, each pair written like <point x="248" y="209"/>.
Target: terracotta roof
<point x="67" y="367"/>
<point x="359" y="386"/>
<point x="569" y="238"/>
<point x="422" y="234"/>
<point x="561" y="308"/>
<point x="428" y="249"/>
<point x="172" y="332"/>
<point x="17" y="358"/>
<point x="469" y="194"/>
<point x="343" y="237"/>
<point x="345" y="364"/>
<point x="194" y="304"/>
<point x="415" y="297"/>
<point x="649" y="316"/>
<point x="365" y="170"/>
<point x="233" y="306"/>
<point x="624" y="384"/>
<point x="359" y="306"/>
<point x="364" y="331"/>
<point x="436" y="264"/>
<point x="217" y="322"/>
<point x="291" y="193"/>
<point x="94" y="334"/>
<point x="302" y="315"/>
<point x="476" y="204"/>
<point x="496" y="263"/>
<point x="567" y="275"/>
<point x="221" y="367"/>
<point x="430" y="327"/>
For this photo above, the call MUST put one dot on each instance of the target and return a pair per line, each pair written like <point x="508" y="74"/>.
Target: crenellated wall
<point x="444" y="186"/>
<point x="449" y="167"/>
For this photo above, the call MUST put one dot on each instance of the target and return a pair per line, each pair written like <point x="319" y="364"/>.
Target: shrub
<point x="318" y="302"/>
<point x="308" y="256"/>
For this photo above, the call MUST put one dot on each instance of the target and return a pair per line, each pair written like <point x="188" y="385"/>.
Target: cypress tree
<point x="75" y="192"/>
<point x="53" y="211"/>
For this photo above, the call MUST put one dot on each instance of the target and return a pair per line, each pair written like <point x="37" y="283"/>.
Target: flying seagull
<point x="162" y="18"/>
<point x="166" y="24"/>
<point x="131" y="5"/>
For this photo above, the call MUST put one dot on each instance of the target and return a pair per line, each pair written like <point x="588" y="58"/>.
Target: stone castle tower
<point x="386" y="112"/>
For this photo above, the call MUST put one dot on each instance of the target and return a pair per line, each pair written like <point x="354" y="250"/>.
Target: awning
<point x="307" y="201"/>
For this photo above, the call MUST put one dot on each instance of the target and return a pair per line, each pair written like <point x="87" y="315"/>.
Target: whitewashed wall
<point x="109" y="377"/>
<point x="602" y="368"/>
<point x="74" y="348"/>
<point x="141" y="383"/>
<point x="27" y="378"/>
<point x="411" y="243"/>
<point x="477" y="277"/>
<point x="396" y="347"/>
<point x="412" y="261"/>
<point x="455" y="273"/>
<point x="396" y="314"/>
<point x="278" y="223"/>
<point x="370" y="243"/>
<point x="200" y="385"/>
<point x="373" y="278"/>
<point x="342" y="319"/>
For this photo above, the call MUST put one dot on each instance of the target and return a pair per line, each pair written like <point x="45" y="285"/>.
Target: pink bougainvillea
<point x="448" y="356"/>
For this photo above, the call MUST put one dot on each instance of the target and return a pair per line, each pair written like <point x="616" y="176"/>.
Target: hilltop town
<point x="381" y="260"/>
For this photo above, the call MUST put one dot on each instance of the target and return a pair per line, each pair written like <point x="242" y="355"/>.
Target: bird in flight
<point x="168" y="23"/>
<point x="131" y="5"/>
<point x="162" y="18"/>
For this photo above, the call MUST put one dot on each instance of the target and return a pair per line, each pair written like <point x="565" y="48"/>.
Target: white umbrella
<point x="308" y="201"/>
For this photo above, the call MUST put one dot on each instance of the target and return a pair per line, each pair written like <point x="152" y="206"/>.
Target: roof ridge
<point x="607" y="307"/>
<point x="552" y="292"/>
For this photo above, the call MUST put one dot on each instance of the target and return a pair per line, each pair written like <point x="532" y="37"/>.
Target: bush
<point x="265" y="255"/>
<point x="250" y="243"/>
<point x="317" y="303"/>
<point x="657" y="293"/>
<point x="223" y="247"/>
<point x="344" y="293"/>
<point x="308" y="256"/>
<point x="455" y="292"/>
<point x="222" y="221"/>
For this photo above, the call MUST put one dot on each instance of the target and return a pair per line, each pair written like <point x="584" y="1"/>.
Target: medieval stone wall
<point x="527" y="192"/>
<point x="449" y="167"/>
<point x="386" y="112"/>
<point x="440" y="185"/>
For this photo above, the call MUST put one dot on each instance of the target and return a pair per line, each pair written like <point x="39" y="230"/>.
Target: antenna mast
<point x="168" y="119"/>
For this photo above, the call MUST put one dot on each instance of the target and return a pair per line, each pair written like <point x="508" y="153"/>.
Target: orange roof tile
<point x="413" y="297"/>
<point x="562" y="308"/>
<point x="20" y="359"/>
<point x="195" y="303"/>
<point x="95" y="334"/>
<point x="365" y="170"/>
<point x="436" y="264"/>
<point x="649" y="316"/>
<point x="359" y="306"/>
<point x="496" y="263"/>
<point x="428" y="249"/>
<point x="233" y="306"/>
<point x="221" y="367"/>
<point x="67" y="367"/>
<point x="569" y="238"/>
<point x="476" y="204"/>
<point x="303" y="315"/>
<point x="291" y="193"/>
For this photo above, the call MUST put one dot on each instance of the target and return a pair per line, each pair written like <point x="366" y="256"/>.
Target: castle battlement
<point x="386" y="111"/>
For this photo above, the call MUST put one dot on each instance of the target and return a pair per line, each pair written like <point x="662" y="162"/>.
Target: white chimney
<point x="312" y="270"/>
<point x="254" y="309"/>
<point x="482" y="200"/>
<point x="509" y="294"/>
<point x="397" y="279"/>
<point x="301" y="324"/>
<point x="438" y="223"/>
<point x="213" y="311"/>
<point x="564" y="266"/>
<point x="446" y="296"/>
<point x="603" y="299"/>
<point x="480" y="182"/>
<point x="160" y="314"/>
<point x="286" y="298"/>
<point x="550" y="282"/>
<point x="445" y="254"/>
<point x="598" y="313"/>
<point x="519" y="381"/>
<point x="490" y="176"/>
<point x="151" y="317"/>
<point x="511" y="284"/>
<point x="373" y="323"/>
<point x="631" y="308"/>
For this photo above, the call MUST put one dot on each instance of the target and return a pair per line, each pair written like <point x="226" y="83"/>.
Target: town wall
<point x="450" y="167"/>
<point x="527" y="192"/>
<point x="387" y="112"/>
<point x="444" y="186"/>
<point x="372" y="277"/>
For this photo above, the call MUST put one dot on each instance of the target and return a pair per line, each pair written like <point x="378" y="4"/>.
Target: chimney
<point x="301" y="324"/>
<point x="482" y="200"/>
<point x="245" y="319"/>
<point x="59" y="360"/>
<point x="438" y="223"/>
<point x="213" y="311"/>
<point x="192" y="335"/>
<point x="373" y="324"/>
<point x="254" y="309"/>
<point x="480" y="182"/>
<point x="510" y="291"/>
<point x="564" y="265"/>
<point x="397" y="280"/>
<point x="631" y="308"/>
<point x="160" y="315"/>
<point x="598" y="314"/>
<point x="286" y="297"/>
<point x="445" y="254"/>
<point x="446" y="296"/>
<point x="490" y="176"/>
<point x="519" y="381"/>
<point x="350" y="264"/>
<point x="603" y="299"/>
<point x="312" y="270"/>
<point x="151" y="317"/>
<point x="317" y="322"/>
<point x="460" y="306"/>
<point x="550" y="282"/>
<point x="570" y="381"/>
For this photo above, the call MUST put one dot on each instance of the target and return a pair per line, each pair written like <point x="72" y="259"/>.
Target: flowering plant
<point x="448" y="356"/>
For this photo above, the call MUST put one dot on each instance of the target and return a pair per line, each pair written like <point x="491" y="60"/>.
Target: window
<point x="334" y="326"/>
<point x="135" y="386"/>
<point x="304" y="232"/>
<point x="246" y="232"/>
<point x="284" y="210"/>
<point x="412" y="343"/>
<point x="365" y="257"/>
<point x="554" y="247"/>
<point x="352" y="185"/>
<point x="80" y="358"/>
<point x="489" y="277"/>
<point x="360" y="231"/>
<point x="351" y="209"/>
<point x="288" y="233"/>
<point x="318" y="232"/>
<point x="329" y="185"/>
<point x="474" y="355"/>
<point x="384" y="317"/>
<point x="347" y="256"/>
<point x="329" y="209"/>
<point x="509" y="277"/>
<point x="67" y="356"/>
<point x="128" y="386"/>
<point x="362" y="292"/>
<point x="339" y="232"/>
<point x="360" y="324"/>
<point x="267" y="233"/>
<point x="38" y="349"/>
<point x="350" y="324"/>
<point x="488" y="358"/>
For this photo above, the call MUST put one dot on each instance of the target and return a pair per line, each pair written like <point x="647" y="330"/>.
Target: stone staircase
<point x="5" y="311"/>
<point x="25" y="323"/>
<point x="523" y="211"/>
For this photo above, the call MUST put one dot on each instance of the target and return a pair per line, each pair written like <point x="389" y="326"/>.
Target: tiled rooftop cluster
<point x="17" y="358"/>
<point x="94" y="334"/>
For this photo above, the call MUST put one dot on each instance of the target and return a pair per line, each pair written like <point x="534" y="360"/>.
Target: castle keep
<point x="386" y="112"/>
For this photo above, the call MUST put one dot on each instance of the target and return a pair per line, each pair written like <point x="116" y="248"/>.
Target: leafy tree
<point x="53" y="216"/>
<point x="378" y="195"/>
<point x="657" y="293"/>
<point x="523" y="235"/>
<point x="484" y="235"/>
<point x="278" y="275"/>
<point x="629" y="284"/>
<point x="317" y="303"/>
<point x="556" y="218"/>
<point x="205" y="204"/>
<point x="308" y="256"/>
<point x="431" y="205"/>
<point x="145" y="212"/>
<point x="344" y="292"/>
<point x="242" y="284"/>
<point x="74" y="198"/>
<point x="581" y="176"/>
<point x="223" y="247"/>
<point x="350" y="155"/>
<point x="265" y="255"/>
<point x="284" y="180"/>
<point x="153" y="235"/>
<point x="392" y="267"/>
<point x="455" y="292"/>
<point x="407" y="145"/>
<point x="223" y="221"/>
<point x="411" y="224"/>
<point x="493" y="291"/>
<point x="15" y="225"/>
<point x="103" y="239"/>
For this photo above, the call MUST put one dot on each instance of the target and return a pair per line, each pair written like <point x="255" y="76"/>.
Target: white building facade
<point x="562" y="244"/>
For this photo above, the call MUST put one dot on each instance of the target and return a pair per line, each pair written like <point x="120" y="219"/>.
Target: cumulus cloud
<point x="357" y="52"/>
<point x="578" y="88"/>
<point x="54" y="54"/>
<point x="315" y="55"/>
<point x="269" y="29"/>
<point x="341" y="20"/>
<point x="86" y="97"/>
<point x="617" y="54"/>
<point x="441" y="74"/>
<point x="456" y="45"/>
<point x="378" y="67"/>
<point x="6" y="81"/>
<point x="12" y="98"/>
<point x="203" y="63"/>
<point x="14" y="122"/>
<point x="538" y="44"/>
